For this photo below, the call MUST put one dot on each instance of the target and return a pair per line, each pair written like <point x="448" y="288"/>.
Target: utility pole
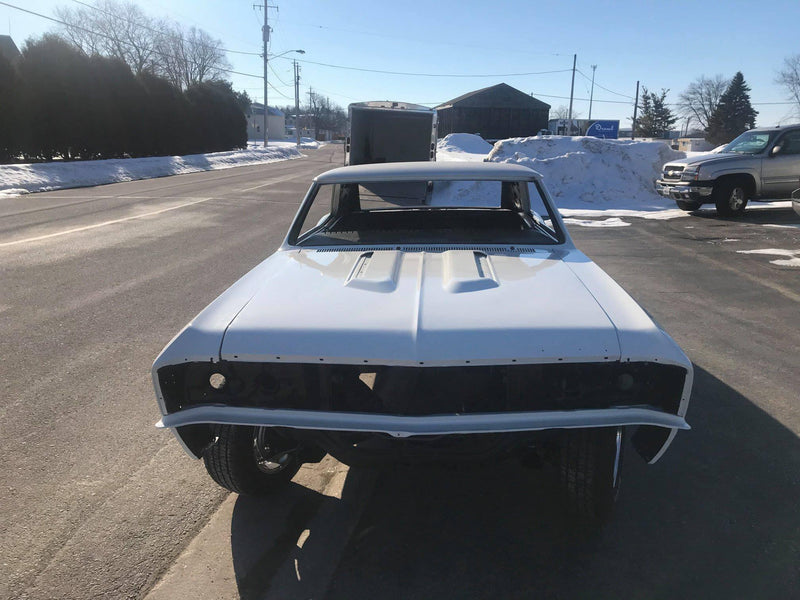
<point x="591" y="94"/>
<point x="635" y="108"/>
<point x="572" y="90"/>
<point x="297" y="101"/>
<point x="265" y="34"/>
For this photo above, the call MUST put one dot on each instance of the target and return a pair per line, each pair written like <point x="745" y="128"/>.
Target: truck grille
<point x="672" y="172"/>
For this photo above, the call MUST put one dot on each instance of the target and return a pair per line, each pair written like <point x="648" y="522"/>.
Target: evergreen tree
<point x="734" y="114"/>
<point x="9" y="133"/>
<point x="655" y="118"/>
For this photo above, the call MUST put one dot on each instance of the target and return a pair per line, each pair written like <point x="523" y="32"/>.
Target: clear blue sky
<point x="662" y="44"/>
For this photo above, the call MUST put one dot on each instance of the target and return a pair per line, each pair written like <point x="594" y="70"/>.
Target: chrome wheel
<point x="737" y="199"/>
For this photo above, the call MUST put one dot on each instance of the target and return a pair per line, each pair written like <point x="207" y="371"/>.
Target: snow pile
<point x="42" y="177"/>
<point x="462" y="146"/>
<point x="791" y="258"/>
<point x="591" y="174"/>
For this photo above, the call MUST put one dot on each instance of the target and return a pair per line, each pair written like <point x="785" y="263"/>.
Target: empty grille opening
<point x="418" y="391"/>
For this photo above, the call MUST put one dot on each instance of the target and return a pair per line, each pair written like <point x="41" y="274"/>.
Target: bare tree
<point x="700" y="99"/>
<point x="562" y="112"/>
<point x="113" y="28"/>
<point x="789" y="77"/>
<point x="190" y="56"/>
<point x="122" y="30"/>
<point x="325" y="114"/>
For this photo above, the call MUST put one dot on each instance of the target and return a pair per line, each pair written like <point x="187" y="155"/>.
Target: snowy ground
<point x="594" y="182"/>
<point x="42" y="177"/>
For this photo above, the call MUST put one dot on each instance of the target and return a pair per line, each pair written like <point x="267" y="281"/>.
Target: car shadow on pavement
<point x="717" y="517"/>
<point x="755" y="214"/>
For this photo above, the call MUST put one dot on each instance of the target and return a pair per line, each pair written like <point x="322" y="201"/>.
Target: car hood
<point x="437" y="307"/>
<point x="713" y="159"/>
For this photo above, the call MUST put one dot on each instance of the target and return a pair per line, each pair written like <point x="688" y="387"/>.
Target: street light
<point x="266" y="83"/>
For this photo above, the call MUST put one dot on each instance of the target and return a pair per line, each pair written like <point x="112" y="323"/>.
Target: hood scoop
<point x="375" y="271"/>
<point x="465" y="271"/>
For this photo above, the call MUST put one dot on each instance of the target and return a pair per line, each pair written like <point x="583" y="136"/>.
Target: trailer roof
<point x="392" y="105"/>
<point x="428" y="171"/>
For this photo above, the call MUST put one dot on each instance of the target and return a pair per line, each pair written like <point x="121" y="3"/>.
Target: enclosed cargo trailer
<point x="385" y="131"/>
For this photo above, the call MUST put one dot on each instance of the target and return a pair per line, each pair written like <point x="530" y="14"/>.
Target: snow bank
<point x="42" y="177"/>
<point x="591" y="174"/>
<point x="462" y="146"/>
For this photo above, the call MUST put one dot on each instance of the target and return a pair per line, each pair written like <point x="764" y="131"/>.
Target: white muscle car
<point x="424" y="312"/>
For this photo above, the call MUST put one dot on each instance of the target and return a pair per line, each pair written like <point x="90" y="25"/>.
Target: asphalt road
<point x="98" y="503"/>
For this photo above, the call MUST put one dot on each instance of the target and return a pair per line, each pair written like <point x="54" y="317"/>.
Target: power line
<point x="277" y="91"/>
<point x="583" y="99"/>
<point x="418" y="40"/>
<point x="602" y="87"/>
<point x="116" y="16"/>
<point x="311" y="62"/>
<point x="278" y="76"/>
<point x="162" y="54"/>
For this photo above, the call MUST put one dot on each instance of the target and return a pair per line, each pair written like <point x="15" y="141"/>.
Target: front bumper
<point x="408" y="426"/>
<point x="680" y="190"/>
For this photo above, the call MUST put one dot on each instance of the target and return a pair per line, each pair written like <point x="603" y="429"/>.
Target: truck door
<point x="780" y="170"/>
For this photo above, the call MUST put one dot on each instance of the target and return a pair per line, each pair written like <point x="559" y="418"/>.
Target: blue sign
<point x="604" y="129"/>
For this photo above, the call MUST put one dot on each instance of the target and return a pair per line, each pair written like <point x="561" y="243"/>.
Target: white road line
<point x="149" y="214"/>
<point x="103" y="224"/>
<point x="274" y="181"/>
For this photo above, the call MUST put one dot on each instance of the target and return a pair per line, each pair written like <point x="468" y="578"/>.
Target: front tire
<point x="730" y="198"/>
<point x="251" y="461"/>
<point x="591" y="461"/>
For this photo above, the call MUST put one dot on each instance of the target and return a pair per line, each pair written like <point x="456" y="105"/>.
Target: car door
<point x="780" y="170"/>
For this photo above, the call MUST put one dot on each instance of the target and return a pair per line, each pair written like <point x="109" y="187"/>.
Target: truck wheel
<point x="591" y="460"/>
<point x="688" y="205"/>
<point x="730" y="198"/>
<point x="251" y="461"/>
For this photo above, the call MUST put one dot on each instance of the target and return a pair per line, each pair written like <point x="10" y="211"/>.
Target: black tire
<point x="688" y="205"/>
<point x="590" y="465"/>
<point x="730" y="197"/>
<point x="233" y="459"/>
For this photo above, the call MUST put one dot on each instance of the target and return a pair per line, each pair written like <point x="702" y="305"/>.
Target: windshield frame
<point x="552" y="235"/>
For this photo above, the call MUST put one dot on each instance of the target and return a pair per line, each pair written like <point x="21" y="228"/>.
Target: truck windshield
<point x="426" y="212"/>
<point x="750" y="142"/>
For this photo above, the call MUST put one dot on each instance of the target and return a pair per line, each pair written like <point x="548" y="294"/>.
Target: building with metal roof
<point x="496" y="112"/>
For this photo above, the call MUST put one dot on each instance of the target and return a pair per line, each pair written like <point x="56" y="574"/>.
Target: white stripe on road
<point x="148" y="214"/>
<point x="103" y="224"/>
<point x="274" y="181"/>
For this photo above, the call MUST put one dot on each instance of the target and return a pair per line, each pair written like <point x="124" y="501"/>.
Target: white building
<point x="255" y="123"/>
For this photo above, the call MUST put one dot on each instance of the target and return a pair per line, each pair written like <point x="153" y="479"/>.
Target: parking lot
<point x="98" y="503"/>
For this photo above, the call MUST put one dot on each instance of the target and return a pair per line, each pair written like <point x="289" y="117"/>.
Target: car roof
<point x="778" y="128"/>
<point x="429" y="171"/>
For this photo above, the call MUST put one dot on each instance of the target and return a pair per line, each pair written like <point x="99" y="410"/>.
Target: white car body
<point x="426" y="306"/>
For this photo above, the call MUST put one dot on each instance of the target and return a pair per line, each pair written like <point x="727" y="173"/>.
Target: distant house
<point x="255" y="123"/>
<point x="8" y="49"/>
<point x="495" y="112"/>
<point x="693" y="144"/>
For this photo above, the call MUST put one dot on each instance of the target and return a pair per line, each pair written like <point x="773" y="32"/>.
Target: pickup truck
<point x="760" y="164"/>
